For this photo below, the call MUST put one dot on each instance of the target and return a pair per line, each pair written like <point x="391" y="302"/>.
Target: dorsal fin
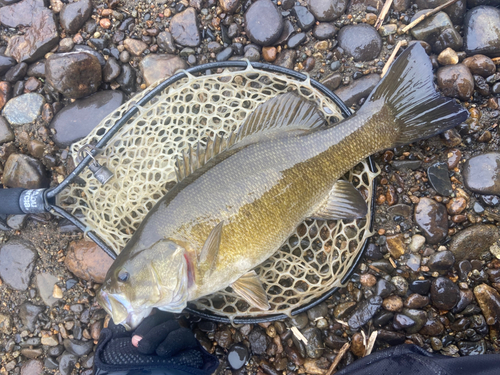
<point x="286" y="112"/>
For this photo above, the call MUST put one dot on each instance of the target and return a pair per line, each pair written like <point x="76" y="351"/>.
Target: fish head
<point x="138" y="281"/>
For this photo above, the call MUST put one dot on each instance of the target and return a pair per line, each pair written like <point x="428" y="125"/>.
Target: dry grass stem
<point x="383" y="13"/>
<point x="428" y="14"/>
<point x="338" y="358"/>
<point x="389" y="62"/>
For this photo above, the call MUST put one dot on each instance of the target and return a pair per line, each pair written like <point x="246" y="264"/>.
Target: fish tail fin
<point x="408" y="90"/>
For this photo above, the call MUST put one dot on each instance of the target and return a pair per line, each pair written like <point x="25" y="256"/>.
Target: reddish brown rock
<point x="489" y="301"/>
<point x="456" y="81"/>
<point x="184" y="28"/>
<point x="481" y="65"/>
<point x="155" y="67"/>
<point x="88" y="261"/>
<point x="5" y="93"/>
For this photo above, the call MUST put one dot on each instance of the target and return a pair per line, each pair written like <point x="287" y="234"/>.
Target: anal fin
<point x="250" y="289"/>
<point x="343" y="202"/>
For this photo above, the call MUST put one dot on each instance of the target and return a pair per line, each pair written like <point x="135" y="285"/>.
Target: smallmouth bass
<point x="238" y="200"/>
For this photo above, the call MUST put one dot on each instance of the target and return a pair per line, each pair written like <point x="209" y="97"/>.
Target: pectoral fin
<point x="208" y="254"/>
<point x="344" y="202"/>
<point x="250" y="289"/>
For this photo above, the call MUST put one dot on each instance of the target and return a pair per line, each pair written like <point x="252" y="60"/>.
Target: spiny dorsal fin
<point x="208" y="254"/>
<point x="250" y="289"/>
<point x="343" y="202"/>
<point x="285" y="112"/>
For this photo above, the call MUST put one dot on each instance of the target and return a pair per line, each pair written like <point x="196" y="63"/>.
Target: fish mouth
<point x="119" y="312"/>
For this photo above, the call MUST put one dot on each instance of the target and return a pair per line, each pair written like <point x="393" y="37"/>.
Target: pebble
<point x="237" y="356"/>
<point x="5" y="324"/>
<point x="482" y="31"/>
<point x="16" y="73"/>
<point x="456" y="205"/>
<point x="455" y="11"/>
<point x="362" y="42"/>
<point x="74" y="15"/>
<point x="401" y="285"/>
<point x="87" y="261"/>
<point x="166" y="42"/>
<point x="184" y="28"/>
<point x="258" y="341"/>
<point x="134" y="46"/>
<point x="111" y="70"/>
<point x="444" y="293"/>
<point x="391" y="337"/>
<point x="343" y="309"/>
<point x="419" y="318"/>
<point x="358" y="90"/>
<point x="448" y="57"/>
<point x="45" y="283"/>
<point x="156" y="67"/>
<point x="6" y="133"/>
<point x="365" y="310"/>
<point x="472" y="348"/>
<point x="6" y="62"/>
<point x="305" y="19"/>
<point x="384" y="288"/>
<point x="318" y="311"/>
<point x="127" y="79"/>
<point x="481" y="173"/>
<point x="438" y="31"/>
<point x="294" y="41"/>
<point x="263" y="23"/>
<point x="368" y="280"/>
<point x="417" y="242"/>
<point x="466" y="297"/>
<point x="432" y="328"/>
<point x="223" y="338"/>
<point x="286" y="58"/>
<point x="416" y="301"/>
<point x="432" y="219"/>
<point x="420" y="286"/>
<point x="300" y="320"/>
<point x="269" y="53"/>
<point x="67" y="363"/>
<point x="392" y="303"/>
<point x="17" y="259"/>
<point x="74" y="74"/>
<point x="324" y="30"/>
<point x="315" y="346"/>
<point x="470" y="243"/>
<point x="441" y="261"/>
<point x="327" y="10"/>
<point x="456" y="81"/>
<point x="24" y="171"/>
<point x="288" y="30"/>
<point x="481" y="65"/>
<point x="23" y="109"/>
<point x="32" y="367"/>
<point x="402" y="321"/>
<point x="29" y="314"/>
<point x="229" y="6"/>
<point x="358" y="345"/>
<point x="489" y="302"/>
<point x="396" y="245"/>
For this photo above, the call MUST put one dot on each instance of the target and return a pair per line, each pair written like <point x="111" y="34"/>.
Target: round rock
<point x="263" y="22"/>
<point x="456" y="81"/>
<point x="88" y="261"/>
<point x="324" y="31"/>
<point x="184" y="28"/>
<point x="237" y="356"/>
<point x="23" y="109"/>
<point x="444" y="293"/>
<point x="17" y="260"/>
<point x="481" y="65"/>
<point x="156" y="67"/>
<point x="74" y="15"/>
<point x="482" y="173"/>
<point x="432" y="218"/>
<point x="470" y="243"/>
<point x="327" y="10"/>
<point x="441" y="261"/>
<point x="74" y="74"/>
<point x="482" y="31"/>
<point x="361" y="41"/>
<point x="358" y="90"/>
<point x="24" y="171"/>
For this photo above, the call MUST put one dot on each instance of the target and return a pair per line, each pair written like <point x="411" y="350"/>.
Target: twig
<point x="383" y="13"/>
<point x="428" y="14"/>
<point x="390" y="60"/>
<point x="299" y="334"/>
<point x="371" y="342"/>
<point x="338" y="358"/>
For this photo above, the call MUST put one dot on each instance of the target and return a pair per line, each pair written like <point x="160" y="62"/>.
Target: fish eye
<point x="123" y="276"/>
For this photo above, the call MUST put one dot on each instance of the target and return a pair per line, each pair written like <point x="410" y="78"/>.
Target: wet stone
<point x="315" y="346"/>
<point x="357" y="345"/>
<point x="401" y="285"/>
<point x="391" y="337"/>
<point x="224" y="338"/>
<point x="300" y="320"/>
<point x="361" y="41"/>
<point x="382" y="318"/>
<point x="304" y="18"/>
<point x="402" y="322"/>
<point x="288" y="30"/>
<point x="482" y="31"/>
<point x="6" y="62"/>
<point x="456" y="205"/>
<point x="441" y="261"/>
<point x="184" y="28"/>
<point x="432" y="219"/>
<point x="481" y="65"/>
<point x="32" y="367"/>
<point x="364" y="312"/>
<point x="444" y="293"/>
<point x="343" y="309"/>
<point x="263" y="23"/>
<point x="392" y="303"/>
<point x="78" y="347"/>
<point x="156" y="67"/>
<point x="439" y="179"/>
<point x="438" y="31"/>
<point x="296" y="40"/>
<point x="466" y="297"/>
<point x="6" y="133"/>
<point x="472" y="242"/>
<point x="420" y="286"/>
<point x="324" y="31"/>
<point x="111" y="70"/>
<point x="74" y="15"/>
<point x="23" y="109"/>
<point x="327" y="10"/>
<point x="358" y="90"/>
<point x="166" y="42"/>
<point x="368" y="280"/>
<point x="489" y="302"/>
<point x="78" y="119"/>
<point x="229" y="6"/>
<point x="472" y="348"/>
<point x="17" y="259"/>
<point x="456" y="81"/>
<point x="67" y="363"/>
<point x="24" y="171"/>
<point x="455" y="11"/>
<point x="16" y="73"/>
<point x="126" y="79"/>
<point x="29" y="314"/>
<point x="432" y="328"/>
<point x="396" y="245"/>
<point x="481" y="173"/>
<point x="286" y="59"/>
<point x="87" y="261"/>
<point x="333" y="81"/>
<point x="416" y="301"/>
<point x="258" y="341"/>
<point x="225" y="54"/>
<point x="373" y="252"/>
<point x="384" y="288"/>
<point x="134" y="46"/>
<point x="73" y="74"/>
<point x="45" y="284"/>
<point x="237" y="356"/>
<point x="319" y="311"/>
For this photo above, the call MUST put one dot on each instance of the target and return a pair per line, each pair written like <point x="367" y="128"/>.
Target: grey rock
<point x="319" y="311"/>
<point x="67" y="363"/>
<point x="74" y="15"/>
<point x="401" y="285"/>
<point x="315" y="346"/>
<point x="258" y="341"/>
<point x="441" y="261"/>
<point x="20" y="14"/>
<point x="37" y="69"/>
<point x="87" y="49"/>
<point x="406" y="164"/>
<point x="419" y="318"/>
<point x="324" y="31"/>
<point x="300" y="320"/>
<point x="327" y="10"/>
<point x="384" y="288"/>
<point x="361" y="41"/>
<point x="23" y="109"/>
<point x="357" y="90"/>
<point x="252" y="54"/>
<point x="184" y="28"/>
<point x="472" y="347"/>
<point x="32" y="367"/>
<point x="229" y="6"/>
<point x="78" y="119"/>
<point x="438" y="31"/>
<point x="296" y="40"/>
<point x="111" y="70"/>
<point x="439" y="179"/>
<point x="482" y="173"/>
<point x="286" y="59"/>
<point x="6" y="133"/>
<point x="263" y="23"/>
<point x="237" y="356"/>
<point x="470" y="243"/>
<point x="6" y="62"/>
<point x="333" y="81"/>
<point x="166" y="42"/>
<point x="482" y="31"/>
<point x="17" y="259"/>
<point x="16" y="73"/>
<point x="456" y="81"/>
<point x="305" y="19"/>
<point x="225" y="54"/>
<point x="45" y="284"/>
<point x="364" y="312"/>
<point x="455" y="11"/>
<point x="29" y="314"/>
<point x="444" y="293"/>
<point x="78" y="347"/>
<point x="126" y="79"/>
<point x="432" y="219"/>
<point x="288" y="30"/>
<point x="16" y="222"/>
<point x="24" y="171"/>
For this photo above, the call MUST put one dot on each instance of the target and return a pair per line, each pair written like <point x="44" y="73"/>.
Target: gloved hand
<point x="157" y="346"/>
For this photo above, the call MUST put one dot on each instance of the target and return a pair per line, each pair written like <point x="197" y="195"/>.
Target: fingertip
<point x="135" y="340"/>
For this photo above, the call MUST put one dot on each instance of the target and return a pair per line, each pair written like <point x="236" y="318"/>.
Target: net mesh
<point x="142" y="157"/>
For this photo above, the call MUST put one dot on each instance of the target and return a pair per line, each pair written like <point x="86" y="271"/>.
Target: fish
<point x="238" y="199"/>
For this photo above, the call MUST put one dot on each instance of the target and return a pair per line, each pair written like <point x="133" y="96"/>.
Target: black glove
<point x="165" y="348"/>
